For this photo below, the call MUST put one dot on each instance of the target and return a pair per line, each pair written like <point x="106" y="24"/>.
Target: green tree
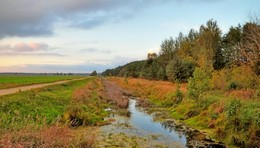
<point x="210" y="48"/>
<point x="94" y="73"/>
<point x="168" y="50"/>
<point x="179" y="71"/>
<point x="231" y="42"/>
<point x="151" y="70"/>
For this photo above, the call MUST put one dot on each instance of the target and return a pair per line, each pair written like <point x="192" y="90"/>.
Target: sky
<point x="80" y="36"/>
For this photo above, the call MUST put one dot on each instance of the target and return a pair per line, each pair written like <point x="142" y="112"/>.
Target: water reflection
<point x="144" y="123"/>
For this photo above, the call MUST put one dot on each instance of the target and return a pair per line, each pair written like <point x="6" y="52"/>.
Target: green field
<point x="40" y="106"/>
<point x="56" y="107"/>
<point x="8" y="81"/>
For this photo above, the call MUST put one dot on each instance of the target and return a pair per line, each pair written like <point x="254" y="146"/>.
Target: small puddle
<point x="142" y="125"/>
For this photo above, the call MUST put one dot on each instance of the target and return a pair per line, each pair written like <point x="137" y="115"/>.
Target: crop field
<point x="40" y="112"/>
<point x="8" y="81"/>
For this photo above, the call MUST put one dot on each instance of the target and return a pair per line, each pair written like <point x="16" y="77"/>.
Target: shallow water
<point x="142" y="125"/>
<point x="143" y="122"/>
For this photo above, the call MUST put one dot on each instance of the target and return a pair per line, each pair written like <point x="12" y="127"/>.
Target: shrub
<point x="178" y="94"/>
<point x="233" y="107"/>
<point x="233" y="86"/>
<point x="244" y="77"/>
<point x="220" y="79"/>
<point x="241" y="77"/>
<point x="199" y="83"/>
<point x="232" y="110"/>
<point x="173" y="97"/>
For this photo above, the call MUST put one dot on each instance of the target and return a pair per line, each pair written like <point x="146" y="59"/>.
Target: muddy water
<point x="142" y="129"/>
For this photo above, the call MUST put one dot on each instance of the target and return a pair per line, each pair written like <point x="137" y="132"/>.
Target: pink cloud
<point x="24" y="47"/>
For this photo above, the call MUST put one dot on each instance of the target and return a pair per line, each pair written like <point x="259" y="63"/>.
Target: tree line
<point x="206" y="49"/>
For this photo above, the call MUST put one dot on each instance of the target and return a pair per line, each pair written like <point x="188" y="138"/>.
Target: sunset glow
<point x="81" y="36"/>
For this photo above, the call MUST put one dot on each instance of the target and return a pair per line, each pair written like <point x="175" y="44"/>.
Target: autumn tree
<point x="209" y="46"/>
<point x="250" y="45"/>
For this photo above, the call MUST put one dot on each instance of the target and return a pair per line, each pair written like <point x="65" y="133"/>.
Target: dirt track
<point x="24" y="88"/>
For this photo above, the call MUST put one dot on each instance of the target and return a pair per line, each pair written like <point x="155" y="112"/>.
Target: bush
<point x="241" y="77"/>
<point x="233" y="86"/>
<point x="244" y="77"/>
<point x="220" y="79"/>
<point x="199" y="83"/>
<point x="233" y="107"/>
<point x="178" y="94"/>
<point x="173" y="97"/>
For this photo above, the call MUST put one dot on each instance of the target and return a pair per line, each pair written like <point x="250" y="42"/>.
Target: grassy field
<point x="71" y="112"/>
<point x="36" y="117"/>
<point x="8" y="81"/>
<point x="232" y="117"/>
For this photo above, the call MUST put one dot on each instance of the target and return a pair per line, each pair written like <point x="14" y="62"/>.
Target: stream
<point x="141" y="127"/>
<point x="144" y="123"/>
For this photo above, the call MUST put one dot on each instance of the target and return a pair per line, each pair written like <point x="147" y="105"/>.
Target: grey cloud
<point x="34" y="18"/>
<point x="88" y="23"/>
<point x="37" y="18"/>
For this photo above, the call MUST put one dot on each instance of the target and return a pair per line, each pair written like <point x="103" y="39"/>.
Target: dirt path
<point x="24" y="88"/>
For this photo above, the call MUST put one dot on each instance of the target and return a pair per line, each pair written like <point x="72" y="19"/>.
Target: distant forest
<point x="207" y="51"/>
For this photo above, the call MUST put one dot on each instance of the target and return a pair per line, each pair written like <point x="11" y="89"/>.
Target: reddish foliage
<point x="144" y="88"/>
<point x="48" y="137"/>
<point x="218" y="107"/>
<point x="243" y="94"/>
<point x="115" y="94"/>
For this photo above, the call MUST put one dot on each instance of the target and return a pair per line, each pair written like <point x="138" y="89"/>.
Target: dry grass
<point x="242" y="94"/>
<point x="47" y="137"/>
<point x="144" y="88"/>
<point x="115" y="94"/>
<point x="55" y="136"/>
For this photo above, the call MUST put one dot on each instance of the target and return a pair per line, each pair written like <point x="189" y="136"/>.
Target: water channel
<point x="142" y="125"/>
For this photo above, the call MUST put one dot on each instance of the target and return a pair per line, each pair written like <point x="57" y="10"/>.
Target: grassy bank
<point x="230" y="116"/>
<point x="8" y="81"/>
<point x="36" y="117"/>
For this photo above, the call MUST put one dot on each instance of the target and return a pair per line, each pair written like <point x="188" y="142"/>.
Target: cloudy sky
<point x="87" y="35"/>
